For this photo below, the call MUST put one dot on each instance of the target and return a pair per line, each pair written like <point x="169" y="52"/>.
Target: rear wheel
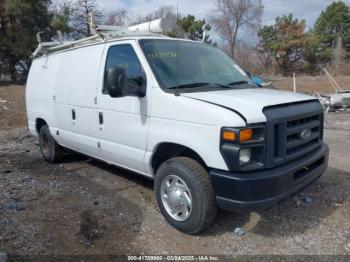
<point x="51" y="151"/>
<point x="185" y="195"/>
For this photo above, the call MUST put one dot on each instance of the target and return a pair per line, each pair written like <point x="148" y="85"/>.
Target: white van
<point x="182" y="113"/>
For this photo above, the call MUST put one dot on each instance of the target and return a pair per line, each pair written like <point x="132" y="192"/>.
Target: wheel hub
<point x="45" y="144"/>
<point x="176" y="197"/>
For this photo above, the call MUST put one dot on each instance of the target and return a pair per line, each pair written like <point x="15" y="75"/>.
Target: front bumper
<point x="263" y="189"/>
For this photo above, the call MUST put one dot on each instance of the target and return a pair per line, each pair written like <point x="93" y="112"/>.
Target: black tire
<point x="51" y="151"/>
<point x="204" y="208"/>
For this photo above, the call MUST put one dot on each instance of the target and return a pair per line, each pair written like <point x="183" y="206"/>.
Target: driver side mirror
<point x="118" y="83"/>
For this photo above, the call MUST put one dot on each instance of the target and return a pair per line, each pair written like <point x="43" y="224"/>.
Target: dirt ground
<point x="12" y="107"/>
<point x="308" y="84"/>
<point x="83" y="206"/>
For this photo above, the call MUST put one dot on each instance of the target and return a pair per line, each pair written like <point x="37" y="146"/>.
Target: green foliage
<point x="284" y="41"/>
<point x="315" y="53"/>
<point x="23" y="20"/>
<point x="61" y="18"/>
<point x="194" y="29"/>
<point x="334" y="21"/>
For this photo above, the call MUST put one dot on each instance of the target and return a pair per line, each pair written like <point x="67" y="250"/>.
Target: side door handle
<point x="100" y="118"/>
<point x="73" y="114"/>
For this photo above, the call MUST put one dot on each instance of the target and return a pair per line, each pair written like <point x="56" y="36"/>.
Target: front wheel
<point x="185" y="195"/>
<point x="51" y="151"/>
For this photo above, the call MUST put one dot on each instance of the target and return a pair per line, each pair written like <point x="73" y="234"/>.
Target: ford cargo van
<point x="182" y="113"/>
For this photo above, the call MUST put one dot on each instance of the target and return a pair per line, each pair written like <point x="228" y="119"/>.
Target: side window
<point x="125" y="56"/>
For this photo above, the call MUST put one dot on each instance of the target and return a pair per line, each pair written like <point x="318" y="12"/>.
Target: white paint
<point x="249" y="102"/>
<point x="154" y="26"/>
<point x="134" y="127"/>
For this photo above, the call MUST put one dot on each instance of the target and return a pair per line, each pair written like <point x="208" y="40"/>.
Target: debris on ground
<point x="337" y="101"/>
<point x="18" y="206"/>
<point x="239" y="231"/>
<point x="302" y="200"/>
<point x="27" y="179"/>
<point x="3" y="106"/>
<point x="307" y="200"/>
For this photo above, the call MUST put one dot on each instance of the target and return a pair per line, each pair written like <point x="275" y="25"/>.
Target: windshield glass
<point x="183" y="64"/>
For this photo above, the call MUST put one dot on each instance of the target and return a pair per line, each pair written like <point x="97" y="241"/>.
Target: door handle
<point x="100" y="118"/>
<point x="73" y="114"/>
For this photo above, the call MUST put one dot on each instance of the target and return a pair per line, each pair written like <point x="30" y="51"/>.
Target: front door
<point x="123" y="121"/>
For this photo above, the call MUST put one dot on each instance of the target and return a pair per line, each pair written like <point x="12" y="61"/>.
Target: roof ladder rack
<point x="102" y="33"/>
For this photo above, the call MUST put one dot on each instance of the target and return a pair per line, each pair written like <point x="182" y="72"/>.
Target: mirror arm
<point x="137" y="79"/>
<point x="141" y="85"/>
<point x="141" y="91"/>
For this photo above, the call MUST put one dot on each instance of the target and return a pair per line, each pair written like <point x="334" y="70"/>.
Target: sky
<point x="303" y="9"/>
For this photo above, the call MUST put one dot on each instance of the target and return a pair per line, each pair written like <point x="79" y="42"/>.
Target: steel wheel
<point x="45" y="144"/>
<point x="51" y="151"/>
<point x="176" y="197"/>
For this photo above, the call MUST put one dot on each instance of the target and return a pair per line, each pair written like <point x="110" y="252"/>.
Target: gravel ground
<point x="83" y="206"/>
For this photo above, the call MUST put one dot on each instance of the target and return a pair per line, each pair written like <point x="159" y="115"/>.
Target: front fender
<point x="203" y="139"/>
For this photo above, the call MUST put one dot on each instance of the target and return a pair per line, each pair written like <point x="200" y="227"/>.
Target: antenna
<point x="177" y="50"/>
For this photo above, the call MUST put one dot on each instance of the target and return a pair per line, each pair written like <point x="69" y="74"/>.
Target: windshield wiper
<point x="198" y="84"/>
<point x="238" y="83"/>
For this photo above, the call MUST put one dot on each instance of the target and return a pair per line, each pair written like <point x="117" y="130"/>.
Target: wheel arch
<point x="39" y="122"/>
<point x="167" y="150"/>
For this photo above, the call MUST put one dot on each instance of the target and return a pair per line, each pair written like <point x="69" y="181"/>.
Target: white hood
<point x="249" y="102"/>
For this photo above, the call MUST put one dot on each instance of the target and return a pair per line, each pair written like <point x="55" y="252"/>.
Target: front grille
<point x="294" y="144"/>
<point x="285" y="126"/>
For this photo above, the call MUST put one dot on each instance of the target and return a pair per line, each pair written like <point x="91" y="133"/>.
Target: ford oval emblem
<point x="305" y="134"/>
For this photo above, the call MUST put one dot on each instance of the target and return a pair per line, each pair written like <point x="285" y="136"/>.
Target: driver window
<point x="124" y="56"/>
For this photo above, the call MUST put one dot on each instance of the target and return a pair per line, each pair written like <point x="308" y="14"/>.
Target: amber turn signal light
<point x="228" y="135"/>
<point x="245" y="135"/>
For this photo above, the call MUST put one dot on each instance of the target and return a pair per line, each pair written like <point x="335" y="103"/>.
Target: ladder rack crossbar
<point x="103" y="34"/>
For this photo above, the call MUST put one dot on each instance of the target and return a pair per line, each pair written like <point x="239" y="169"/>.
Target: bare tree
<point x="230" y="16"/>
<point x="166" y="12"/>
<point x="82" y="9"/>
<point x="117" y="18"/>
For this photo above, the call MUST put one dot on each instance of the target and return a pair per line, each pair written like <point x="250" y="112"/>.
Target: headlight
<point x="245" y="156"/>
<point x="243" y="149"/>
<point x="240" y="136"/>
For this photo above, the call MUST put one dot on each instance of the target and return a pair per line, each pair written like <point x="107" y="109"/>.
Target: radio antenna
<point x="177" y="50"/>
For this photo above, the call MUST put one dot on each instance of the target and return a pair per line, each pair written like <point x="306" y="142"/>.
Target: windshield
<point x="184" y="64"/>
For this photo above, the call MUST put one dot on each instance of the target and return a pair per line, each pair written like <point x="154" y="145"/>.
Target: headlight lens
<point x="243" y="148"/>
<point x="245" y="156"/>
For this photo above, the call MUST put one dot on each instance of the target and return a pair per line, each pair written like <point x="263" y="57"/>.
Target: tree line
<point x="293" y="49"/>
<point x="286" y="46"/>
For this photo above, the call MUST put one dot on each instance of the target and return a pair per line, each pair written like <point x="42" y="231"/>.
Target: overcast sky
<point x="303" y="9"/>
